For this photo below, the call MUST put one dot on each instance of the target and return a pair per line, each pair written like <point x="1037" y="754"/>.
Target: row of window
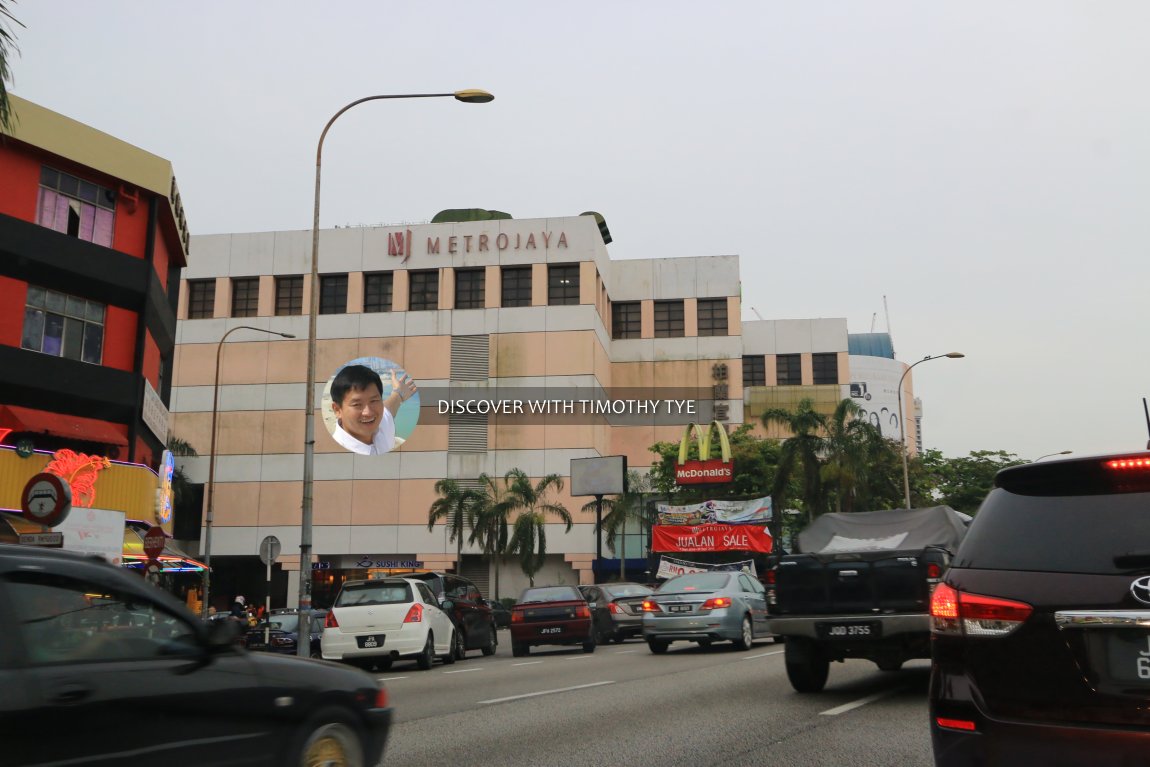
<point x="63" y="325"/>
<point x="626" y="318"/>
<point x="788" y="369"/>
<point x="76" y="207"/>
<point x="423" y="291"/>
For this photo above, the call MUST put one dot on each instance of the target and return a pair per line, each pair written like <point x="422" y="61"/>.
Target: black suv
<point x="461" y="599"/>
<point x="1041" y="626"/>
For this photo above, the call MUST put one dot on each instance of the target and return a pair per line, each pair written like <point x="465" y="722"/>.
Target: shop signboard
<point x="95" y="531"/>
<point x="704" y="470"/>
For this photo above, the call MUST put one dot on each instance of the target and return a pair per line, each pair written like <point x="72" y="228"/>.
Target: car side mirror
<point x="446" y="604"/>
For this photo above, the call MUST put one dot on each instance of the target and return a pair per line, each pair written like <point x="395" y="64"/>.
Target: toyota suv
<point x="1041" y="625"/>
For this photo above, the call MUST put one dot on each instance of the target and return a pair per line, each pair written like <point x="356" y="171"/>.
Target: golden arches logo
<point x="703" y="438"/>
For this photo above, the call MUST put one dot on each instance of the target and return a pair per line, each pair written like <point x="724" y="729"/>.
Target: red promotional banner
<point x="711" y="538"/>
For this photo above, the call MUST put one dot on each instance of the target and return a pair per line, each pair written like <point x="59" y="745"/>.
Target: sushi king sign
<point x="704" y="470"/>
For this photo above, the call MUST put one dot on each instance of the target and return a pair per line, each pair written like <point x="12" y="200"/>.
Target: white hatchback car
<point x="374" y="622"/>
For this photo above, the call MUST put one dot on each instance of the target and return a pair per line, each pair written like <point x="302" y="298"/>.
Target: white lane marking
<point x="544" y="692"/>
<point x="578" y="657"/>
<point x="860" y="702"/>
<point x="623" y="652"/>
<point x="527" y="663"/>
<point x="761" y="655"/>
<point x="463" y="671"/>
<point x="390" y="678"/>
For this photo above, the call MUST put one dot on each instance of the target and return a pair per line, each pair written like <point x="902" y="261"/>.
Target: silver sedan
<point x="705" y="608"/>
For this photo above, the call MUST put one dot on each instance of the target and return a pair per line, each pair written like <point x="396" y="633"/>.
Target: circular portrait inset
<point x="370" y="406"/>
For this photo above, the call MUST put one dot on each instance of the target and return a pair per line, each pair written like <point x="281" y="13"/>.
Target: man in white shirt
<point x="365" y="419"/>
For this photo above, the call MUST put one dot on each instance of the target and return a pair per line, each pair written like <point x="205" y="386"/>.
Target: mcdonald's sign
<point x="705" y="470"/>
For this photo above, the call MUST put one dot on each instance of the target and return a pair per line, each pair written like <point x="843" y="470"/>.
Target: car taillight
<point x="1128" y="464"/>
<point x="330" y="622"/>
<point x="381" y="700"/>
<point x="615" y="608"/>
<point x="715" y="603"/>
<point x="772" y="577"/>
<point x="582" y="611"/>
<point x="955" y="724"/>
<point x="516" y="616"/>
<point x="414" y="614"/>
<point x="651" y="606"/>
<point x="933" y="571"/>
<point x="956" y="612"/>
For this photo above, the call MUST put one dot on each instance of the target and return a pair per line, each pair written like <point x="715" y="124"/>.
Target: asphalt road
<point x="622" y="706"/>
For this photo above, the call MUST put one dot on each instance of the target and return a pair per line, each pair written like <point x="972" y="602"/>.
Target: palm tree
<point x="529" y="533"/>
<point x="620" y="510"/>
<point x="457" y="507"/>
<point x="490" y="527"/>
<point x="7" y="45"/>
<point x="800" y="452"/>
<point x="847" y="447"/>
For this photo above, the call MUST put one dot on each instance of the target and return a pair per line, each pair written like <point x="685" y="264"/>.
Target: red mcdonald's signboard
<point x="705" y="470"/>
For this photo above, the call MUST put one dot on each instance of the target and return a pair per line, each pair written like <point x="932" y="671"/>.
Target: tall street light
<point x="1060" y="452"/>
<point x="212" y="464"/>
<point x="471" y="96"/>
<point x="902" y="416"/>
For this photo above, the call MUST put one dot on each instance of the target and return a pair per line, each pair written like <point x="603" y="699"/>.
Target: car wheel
<point x="519" y="649"/>
<point x="459" y="647"/>
<point x="658" y="646"/>
<point x="589" y="645"/>
<point x="426" y="656"/>
<point x="329" y="737"/>
<point x="618" y="637"/>
<point x="704" y="643"/>
<point x="746" y="635"/>
<point x="449" y="657"/>
<point x="490" y="648"/>
<point x="889" y="665"/>
<point x="807" y="667"/>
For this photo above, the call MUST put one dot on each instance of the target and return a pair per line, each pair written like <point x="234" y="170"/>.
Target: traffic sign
<point x="46" y="499"/>
<point x="269" y="549"/>
<point x="154" y="541"/>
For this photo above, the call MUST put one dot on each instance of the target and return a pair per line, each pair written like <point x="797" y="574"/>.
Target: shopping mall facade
<point x="481" y="314"/>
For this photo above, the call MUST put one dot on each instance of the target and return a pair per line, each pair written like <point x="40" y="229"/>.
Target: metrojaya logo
<point x="705" y="469"/>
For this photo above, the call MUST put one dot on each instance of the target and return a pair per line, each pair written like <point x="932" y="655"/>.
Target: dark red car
<point x="557" y="615"/>
<point x="1041" y="648"/>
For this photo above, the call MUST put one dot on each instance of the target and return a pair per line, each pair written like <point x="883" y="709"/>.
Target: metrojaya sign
<point x="704" y="470"/>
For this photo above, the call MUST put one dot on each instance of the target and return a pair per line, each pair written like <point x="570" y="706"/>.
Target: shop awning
<point x="60" y="425"/>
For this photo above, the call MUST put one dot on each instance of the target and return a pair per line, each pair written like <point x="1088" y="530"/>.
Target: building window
<point x="201" y="299"/>
<point x="825" y="368"/>
<point x="333" y="294"/>
<point x="469" y="288"/>
<point x="789" y="370"/>
<point x="377" y="291"/>
<point x="245" y="296"/>
<point x="754" y="370"/>
<point x="669" y="319"/>
<point x="626" y="319"/>
<point x="712" y="313"/>
<point x="516" y="286"/>
<point x="563" y="285"/>
<point x="424" y="292"/>
<point x="289" y="295"/>
<point x="63" y="326"/>
<point x="76" y="207"/>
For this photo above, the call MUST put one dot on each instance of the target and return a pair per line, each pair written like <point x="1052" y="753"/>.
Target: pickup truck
<point x="859" y="586"/>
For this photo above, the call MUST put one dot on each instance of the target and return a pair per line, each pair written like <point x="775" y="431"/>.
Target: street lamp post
<point x="472" y="96"/>
<point x="212" y="464"/>
<point x="1060" y="452"/>
<point x="902" y="417"/>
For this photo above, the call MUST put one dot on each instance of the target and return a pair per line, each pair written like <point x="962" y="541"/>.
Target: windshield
<point x="287" y="623"/>
<point x="695" y="582"/>
<point x="550" y="594"/>
<point x="381" y="593"/>
<point x="628" y="590"/>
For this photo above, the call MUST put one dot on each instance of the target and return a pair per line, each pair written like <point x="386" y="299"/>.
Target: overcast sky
<point x="973" y="176"/>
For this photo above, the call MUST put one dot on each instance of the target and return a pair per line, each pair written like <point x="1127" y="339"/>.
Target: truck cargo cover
<point x="889" y="530"/>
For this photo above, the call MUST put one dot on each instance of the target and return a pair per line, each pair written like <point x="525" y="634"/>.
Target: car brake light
<point x="615" y="608"/>
<point x="1128" y="464"/>
<point x="933" y="571"/>
<point x="330" y="622"/>
<point x="957" y="612"/>
<point x="771" y="577"/>
<point x="414" y="614"/>
<point x="716" y="603"/>
<point x="381" y="700"/>
<point x="582" y="611"/>
<point x="651" y="606"/>
<point x="516" y="616"/>
<point x="955" y="724"/>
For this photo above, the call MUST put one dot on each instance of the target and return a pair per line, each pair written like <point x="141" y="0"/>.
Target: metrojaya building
<point x="529" y="347"/>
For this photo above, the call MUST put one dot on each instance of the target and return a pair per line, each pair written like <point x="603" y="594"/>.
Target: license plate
<point x="1128" y="657"/>
<point x="849" y="630"/>
<point x="370" y="641"/>
<point x="552" y="630"/>
<point x="678" y="608"/>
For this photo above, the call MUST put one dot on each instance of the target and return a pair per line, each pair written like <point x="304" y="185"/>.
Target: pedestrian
<point x="239" y="608"/>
